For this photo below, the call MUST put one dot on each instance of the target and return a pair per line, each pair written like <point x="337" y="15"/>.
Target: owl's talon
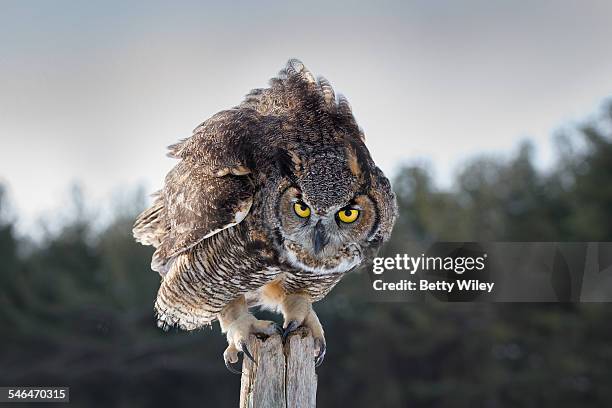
<point x="320" y="345"/>
<point x="230" y="356"/>
<point x="230" y="368"/>
<point x="290" y="328"/>
<point x="246" y="352"/>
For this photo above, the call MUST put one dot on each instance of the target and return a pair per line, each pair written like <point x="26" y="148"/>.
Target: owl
<point x="271" y="203"/>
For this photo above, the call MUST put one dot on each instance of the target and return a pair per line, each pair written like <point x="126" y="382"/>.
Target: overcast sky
<point x="95" y="92"/>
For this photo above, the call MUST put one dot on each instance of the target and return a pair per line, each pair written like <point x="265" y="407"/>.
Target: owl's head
<point x="333" y="211"/>
<point x="332" y="207"/>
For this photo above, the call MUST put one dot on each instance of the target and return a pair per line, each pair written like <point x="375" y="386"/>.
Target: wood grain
<point x="284" y="376"/>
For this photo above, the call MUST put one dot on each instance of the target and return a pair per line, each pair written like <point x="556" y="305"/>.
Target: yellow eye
<point x="301" y="209"/>
<point x="348" y="215"/>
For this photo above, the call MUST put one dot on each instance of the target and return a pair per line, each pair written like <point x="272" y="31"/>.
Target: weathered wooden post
<point x="284" y="376"/>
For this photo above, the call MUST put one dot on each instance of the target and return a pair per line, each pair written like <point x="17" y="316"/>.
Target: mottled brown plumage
<point x="226" y="227"/>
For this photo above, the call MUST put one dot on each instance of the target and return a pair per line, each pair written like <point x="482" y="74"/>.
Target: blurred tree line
<point x="76" y="306"/>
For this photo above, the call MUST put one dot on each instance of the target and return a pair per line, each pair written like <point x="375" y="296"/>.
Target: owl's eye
<point x="301" y="209"/>
<point x="348" y="215"/>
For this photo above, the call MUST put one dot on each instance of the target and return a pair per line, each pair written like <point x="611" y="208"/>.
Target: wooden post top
<point x="284" y="376"/>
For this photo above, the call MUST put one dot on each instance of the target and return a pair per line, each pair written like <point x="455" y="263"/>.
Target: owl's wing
<point x="199" y="205"/>
<point x="209" y="190"/>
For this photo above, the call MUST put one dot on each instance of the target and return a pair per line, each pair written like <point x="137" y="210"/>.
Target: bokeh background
<point x="493" y="120"/>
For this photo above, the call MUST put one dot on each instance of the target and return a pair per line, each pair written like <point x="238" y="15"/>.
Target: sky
<point x="93" y="92"/>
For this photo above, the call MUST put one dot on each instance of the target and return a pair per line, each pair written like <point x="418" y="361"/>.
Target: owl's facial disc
<point x="324" y="240"/>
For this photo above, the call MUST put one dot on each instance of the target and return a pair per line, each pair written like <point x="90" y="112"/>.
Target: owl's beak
<point x="319" y="238"/>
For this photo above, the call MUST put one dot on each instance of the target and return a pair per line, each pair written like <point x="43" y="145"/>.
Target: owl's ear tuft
<point x="353" y="162"/>
<point x="289" y="163"/>
<point x="359" y="161"/>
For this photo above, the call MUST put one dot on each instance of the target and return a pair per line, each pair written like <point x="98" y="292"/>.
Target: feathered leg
<point x="297" y="311"/>
<point x="239" y="324"/>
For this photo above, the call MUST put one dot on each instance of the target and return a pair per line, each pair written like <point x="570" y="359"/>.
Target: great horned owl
<point x="271" y="203"/>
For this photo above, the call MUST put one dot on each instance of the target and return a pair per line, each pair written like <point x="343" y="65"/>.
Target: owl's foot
<point x="239" y="324"/>
<point x="297" y="311"/>
<point x="238" y="334"/>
